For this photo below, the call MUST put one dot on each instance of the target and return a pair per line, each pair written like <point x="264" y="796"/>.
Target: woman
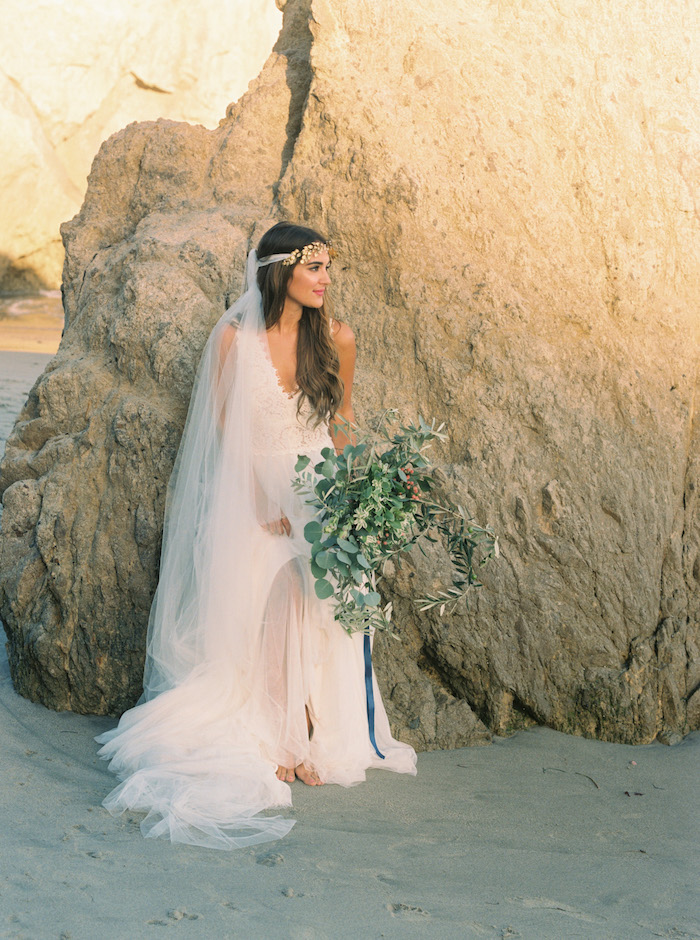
<point x="250" y="683"/>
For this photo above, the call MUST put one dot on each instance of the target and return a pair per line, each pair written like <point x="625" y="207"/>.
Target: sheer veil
<point x="211" y="494"/>
<point x="187" y="754"/>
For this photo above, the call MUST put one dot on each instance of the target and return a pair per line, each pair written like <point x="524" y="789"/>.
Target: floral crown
<point x="302" y="255"/>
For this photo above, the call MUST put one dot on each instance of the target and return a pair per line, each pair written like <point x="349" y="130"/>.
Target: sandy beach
<point x="541" y="836"/>
<point x="537" y="836"/>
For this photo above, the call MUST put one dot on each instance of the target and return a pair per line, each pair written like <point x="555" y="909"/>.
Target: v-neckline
<point x="290" y="396"/>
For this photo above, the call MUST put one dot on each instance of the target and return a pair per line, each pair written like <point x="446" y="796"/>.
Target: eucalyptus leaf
<point x="302" y="463"/>
<point x="313" y="531"/>
<point x="323" y="589"/>
<point x="324" y="559"/>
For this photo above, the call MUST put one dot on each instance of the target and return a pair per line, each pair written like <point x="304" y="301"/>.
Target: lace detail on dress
<point x="277" y="428"/>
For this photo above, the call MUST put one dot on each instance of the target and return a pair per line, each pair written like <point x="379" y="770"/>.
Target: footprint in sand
<point x="182" y="915"/>
<point x="270" y="858"/>
<point x="173" y="917"/>
<point x="407" y="910"/>
<point x="291" y="893"/>
<point x="550" y="905"/>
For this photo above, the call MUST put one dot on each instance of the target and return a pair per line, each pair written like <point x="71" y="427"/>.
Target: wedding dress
<point x="239" y="646"/>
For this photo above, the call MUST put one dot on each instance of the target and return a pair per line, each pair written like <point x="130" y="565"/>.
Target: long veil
<point x="237" y="641"/>
<point x="211" y="494"/>
<point x="194" y="650"/>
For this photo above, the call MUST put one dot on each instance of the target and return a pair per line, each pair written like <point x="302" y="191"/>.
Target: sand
<point x="538" y="836"/>
<point x="534" y="836"/>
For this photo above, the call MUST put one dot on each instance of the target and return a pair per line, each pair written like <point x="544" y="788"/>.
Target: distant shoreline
<point x="31" y="323"/>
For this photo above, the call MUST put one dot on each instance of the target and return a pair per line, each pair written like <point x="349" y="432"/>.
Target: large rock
<point x="72" y="74"/>
<point x="510" y="193"/>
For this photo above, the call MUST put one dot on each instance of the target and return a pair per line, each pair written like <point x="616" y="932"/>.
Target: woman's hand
<point x="279" y="527"/>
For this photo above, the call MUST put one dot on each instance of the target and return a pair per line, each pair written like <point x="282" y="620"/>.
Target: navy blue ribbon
<point x="370" y="694"/>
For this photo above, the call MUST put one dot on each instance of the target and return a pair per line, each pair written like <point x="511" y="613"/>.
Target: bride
<point x="250" y="683"/>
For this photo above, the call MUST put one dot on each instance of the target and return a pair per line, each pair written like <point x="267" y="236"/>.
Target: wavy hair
<point x="317" y="375"/>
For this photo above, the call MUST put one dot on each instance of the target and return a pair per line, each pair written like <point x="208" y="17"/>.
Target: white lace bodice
<point x="277" y="428"/>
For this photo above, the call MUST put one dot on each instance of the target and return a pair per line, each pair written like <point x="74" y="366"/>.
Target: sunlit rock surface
<point x="73" y="73"/>
<point x="510" y="189"/>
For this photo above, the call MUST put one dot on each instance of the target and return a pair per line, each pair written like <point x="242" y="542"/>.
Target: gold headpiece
<point x="302" y="255"/>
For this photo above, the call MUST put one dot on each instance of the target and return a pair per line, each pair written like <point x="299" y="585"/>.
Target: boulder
<point x="510" y="192"/>
<point x="71" y="77"/>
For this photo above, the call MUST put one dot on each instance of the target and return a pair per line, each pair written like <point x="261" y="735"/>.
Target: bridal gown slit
<point x="200" y="757"/>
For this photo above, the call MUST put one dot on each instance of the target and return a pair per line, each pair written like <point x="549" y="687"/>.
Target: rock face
<point x="72" y="74"/>
<point x="510" y="191"/>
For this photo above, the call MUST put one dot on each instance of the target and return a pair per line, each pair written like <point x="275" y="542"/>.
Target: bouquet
<point x="374" y="501"/>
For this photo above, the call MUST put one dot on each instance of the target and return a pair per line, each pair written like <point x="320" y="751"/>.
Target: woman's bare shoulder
<point x="343" y="336"/>
<point x="227" y="340"/>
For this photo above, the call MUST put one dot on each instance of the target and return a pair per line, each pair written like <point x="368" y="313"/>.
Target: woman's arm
<point x="344" y="340"/>
<point x="226" y="349"/>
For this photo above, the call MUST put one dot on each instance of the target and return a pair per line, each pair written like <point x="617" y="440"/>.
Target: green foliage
<point x="374" y="501"/>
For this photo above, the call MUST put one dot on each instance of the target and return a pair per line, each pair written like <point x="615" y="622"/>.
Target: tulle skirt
<point x="200" y="758"/>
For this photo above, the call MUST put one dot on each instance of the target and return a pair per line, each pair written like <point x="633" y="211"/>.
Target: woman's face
<point x="309" y="281"/>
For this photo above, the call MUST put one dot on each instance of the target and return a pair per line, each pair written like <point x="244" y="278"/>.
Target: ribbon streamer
<point x="370" y="694"/>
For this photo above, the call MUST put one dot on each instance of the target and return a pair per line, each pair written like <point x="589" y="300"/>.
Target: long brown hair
<point x="318" y="366"/>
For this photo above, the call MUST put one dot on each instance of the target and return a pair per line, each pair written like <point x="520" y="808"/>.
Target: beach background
<point x="540" y="835"/>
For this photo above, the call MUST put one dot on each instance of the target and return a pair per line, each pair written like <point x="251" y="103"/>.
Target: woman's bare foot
<point x="309" y="777"/>
<point x="285" y="774"/>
